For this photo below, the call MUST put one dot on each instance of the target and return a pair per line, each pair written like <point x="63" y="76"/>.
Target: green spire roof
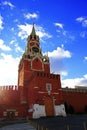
<point x="33" y="31"/>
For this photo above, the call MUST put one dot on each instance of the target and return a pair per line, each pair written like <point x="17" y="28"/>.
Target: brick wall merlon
<point x="48" y="75"/>
<point x="9" y="87"/>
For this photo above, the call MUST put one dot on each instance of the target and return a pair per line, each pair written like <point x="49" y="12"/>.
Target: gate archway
<point x="49" y="106"/>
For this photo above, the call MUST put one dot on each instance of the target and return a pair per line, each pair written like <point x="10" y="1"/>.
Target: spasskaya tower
<point x="32" y="60"/>
<point x="38" y="87"/>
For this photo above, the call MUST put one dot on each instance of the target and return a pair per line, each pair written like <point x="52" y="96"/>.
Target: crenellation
<point x="74" y="90"/>
<point x="47" y="75"/>
<point x="9" y="87"/>
<point x="15" y="87"/>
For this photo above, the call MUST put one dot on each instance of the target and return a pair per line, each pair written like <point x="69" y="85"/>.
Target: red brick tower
<point x="32" y="60"/>
<point x="39" y="90"/>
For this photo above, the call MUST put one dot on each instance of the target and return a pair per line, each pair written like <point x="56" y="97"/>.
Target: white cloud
<point x="59" y="53"/>
<point x="31" y="15"/>
<point x="8" y="69"/>
<point x="68" y="36"/>
<point x="57" y="67"/>
<point x="63" y="73"/>
<point x="8" y="4"/>
<point x="56" y="63"/>
<point x="12" y="41"/>
<point x="60" y="25"/>
<point x="16" y="46"/>
<point x="83" y="34"/>
<point x="3" y="46"/>
<point x="85" y="58"/>
<point x="84" y="23"/>
<point x="42" y="33"/>
<point x="26" y="29"/>
<point x="1" y="22"/>
<point x="71" y="83"/>
<point x="82" y="20"/>
<point x="64" y="34"/>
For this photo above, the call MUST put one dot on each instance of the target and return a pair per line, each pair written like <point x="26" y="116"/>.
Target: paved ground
<point x="23" y="126"/>
<point x="75" y="122"/>
<point x="51" y="123"/>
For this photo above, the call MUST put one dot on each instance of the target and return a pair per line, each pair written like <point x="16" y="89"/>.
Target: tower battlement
<point x="48" y="75"/>
<point x="8" y="87"/>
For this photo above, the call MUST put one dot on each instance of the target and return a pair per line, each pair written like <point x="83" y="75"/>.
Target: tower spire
<point x="33" y="35"/>
<point x="33" y="31"/>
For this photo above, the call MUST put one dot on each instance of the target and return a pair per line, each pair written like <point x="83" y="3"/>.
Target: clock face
<point x="35" y="49"/>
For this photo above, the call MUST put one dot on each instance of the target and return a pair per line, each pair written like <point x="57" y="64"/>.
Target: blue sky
<point x="62" y="28"/>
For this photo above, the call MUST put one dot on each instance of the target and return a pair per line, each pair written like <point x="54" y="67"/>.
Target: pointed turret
<point x="33" y="31"/>
<point x="33" y="35"/>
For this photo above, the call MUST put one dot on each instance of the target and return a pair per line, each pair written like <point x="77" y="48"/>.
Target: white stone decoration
<point x="39" y="110"/>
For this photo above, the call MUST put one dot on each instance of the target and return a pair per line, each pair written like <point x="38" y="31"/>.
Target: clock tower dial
<point x="35" y="49"/>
